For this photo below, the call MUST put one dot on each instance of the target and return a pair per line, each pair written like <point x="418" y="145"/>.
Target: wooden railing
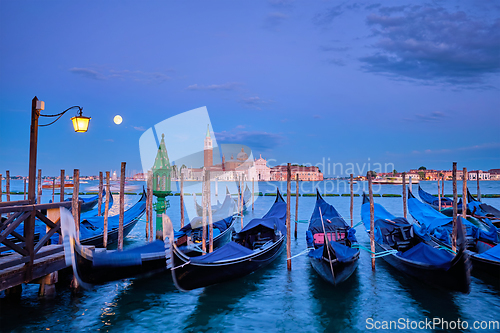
<point x="24" y="244"/>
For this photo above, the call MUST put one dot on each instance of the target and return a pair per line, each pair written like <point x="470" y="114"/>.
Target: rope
<point x="301" y="221"/>
<point x="180" y="266"/>
<point x="375" y="254"/>
<point x="447" y="249"/>
<point x="357" y="224"/>
<point x="301" y="253"/>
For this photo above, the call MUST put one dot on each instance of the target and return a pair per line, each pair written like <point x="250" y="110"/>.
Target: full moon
<point x="117" y="119"/>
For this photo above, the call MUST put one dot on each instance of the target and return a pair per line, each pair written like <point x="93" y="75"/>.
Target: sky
<point x="403" y="83"/>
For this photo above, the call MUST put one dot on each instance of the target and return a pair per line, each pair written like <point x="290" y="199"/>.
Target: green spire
<point x="208" y="130"/>
<point x="161" y="160"/>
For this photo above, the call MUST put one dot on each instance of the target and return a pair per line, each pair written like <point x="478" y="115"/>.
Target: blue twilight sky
<point x="408" y="83"/>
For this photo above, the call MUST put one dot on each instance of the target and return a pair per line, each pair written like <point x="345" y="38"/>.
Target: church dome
<point x="242" y="156"/>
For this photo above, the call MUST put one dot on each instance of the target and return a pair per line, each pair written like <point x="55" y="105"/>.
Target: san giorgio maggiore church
<point x="242" y="166"/>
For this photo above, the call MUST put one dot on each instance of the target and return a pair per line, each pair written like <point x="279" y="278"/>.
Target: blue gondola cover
<point x="426" y="254"/>
<point x="229" y="251"/>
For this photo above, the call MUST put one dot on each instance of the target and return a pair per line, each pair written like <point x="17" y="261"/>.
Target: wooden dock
<point x="24" y="256"/>
<point x="49" y="259"/>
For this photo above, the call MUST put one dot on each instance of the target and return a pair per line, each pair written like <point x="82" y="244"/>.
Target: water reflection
<point x="335" y="306"/>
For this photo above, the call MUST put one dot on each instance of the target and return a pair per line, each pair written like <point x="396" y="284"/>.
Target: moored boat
<point x="336" y="261"/>
<point x="414" y="253"/>
<point x="259" y="243"/>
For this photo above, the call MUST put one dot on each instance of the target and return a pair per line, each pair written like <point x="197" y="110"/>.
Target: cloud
<point x="336" y="61"/>
<point x="139" y="128"/>
<point x="433" y="117"/>
<point x="433" y="45"/>
<point x="273" y="20"/>
<point x="334" y="48"/>
<point x="328" y="16"/>
<point x="88" y="73"/>
<point x="110" y="140"/>
<point x="253" y="139"/>
<point x="134" y="75"/>
<point x="224" y="86"/>
<point x="255" y="102"/>
<point x="317" y="116"/>
<point x="281" y="3"/>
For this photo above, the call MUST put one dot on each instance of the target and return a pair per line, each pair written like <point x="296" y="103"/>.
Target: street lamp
<point x="80" y="124"/>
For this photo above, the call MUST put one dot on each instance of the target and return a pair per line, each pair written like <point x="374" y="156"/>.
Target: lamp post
<point x="161" y="184"/>
<point x="80" y="124"/>
<point x="29" y="225"/>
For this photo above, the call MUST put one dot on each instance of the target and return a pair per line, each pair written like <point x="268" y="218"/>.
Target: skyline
<point x="408" y="83"/>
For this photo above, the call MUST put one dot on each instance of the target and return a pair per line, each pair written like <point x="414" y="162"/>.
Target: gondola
<point x="88" y="203"/>
<point x="479" y="243"/>
<point x="446" y="203"/>
<point x="259" y="243"/>
<point x="95" y="212"/>
<point x="91" y="229"/>
<point x="338" y="260"/>
<point x="100" y="266"/>
<point x="223" y="227"/>
<point x="414" y="253"/>
<point x="199" y="209"/>
<point x="95" y="267"/>
<point x="482" y="211"/>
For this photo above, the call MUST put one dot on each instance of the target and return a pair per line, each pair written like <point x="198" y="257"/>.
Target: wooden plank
<point x="47" y="236"/>
<point x="14" y="203"/>
<point x="6" y="223"/>
<point x="15" y="247"/>
<point x="13" y="226"/>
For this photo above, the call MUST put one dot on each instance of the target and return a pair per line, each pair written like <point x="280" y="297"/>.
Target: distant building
<point x="312" y="173"/>
<point x="483" y="175"/>
<point x="494" y="174"/>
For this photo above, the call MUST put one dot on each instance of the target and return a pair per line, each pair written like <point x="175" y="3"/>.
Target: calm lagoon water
<point x="272" y="299"/>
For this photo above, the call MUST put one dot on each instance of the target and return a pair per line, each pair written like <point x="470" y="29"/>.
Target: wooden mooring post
<point x="122" y="206"/>
<point x="147" y="209"/>
<point x="24" y="188"/>
<point x="253" y="193"/>
<point x="296" y="203"/>
<point x="455" y="208"/>
<point x="53" y="189"/>
<point x="439" y="194"/>
<point x="464" y="193"/>
<point x="106" y="211"/>
<point x="7" y="185"/>
<point x="204" y="212"/>
<point x="74" y="205"/>
<point x="352" y="200"/>
<point x="442" y="186"/>
<point x="150" y="203"/>
<point x="39" y="192"/>
<point x="209" y="207"/>
<point x="478" y="188"/>
<point x="1" y="191"/>
<point x="404" y="195"/>
<point x="372" y="219"/>
<point x="61" y="186"/>
<point x="99" y="202"/>
<point x="288" y="225"/>
<point x="241" y="200"/>
<point x="182" y="200"/>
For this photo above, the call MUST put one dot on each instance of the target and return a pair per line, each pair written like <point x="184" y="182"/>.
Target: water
<point x="272" y="299"/>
